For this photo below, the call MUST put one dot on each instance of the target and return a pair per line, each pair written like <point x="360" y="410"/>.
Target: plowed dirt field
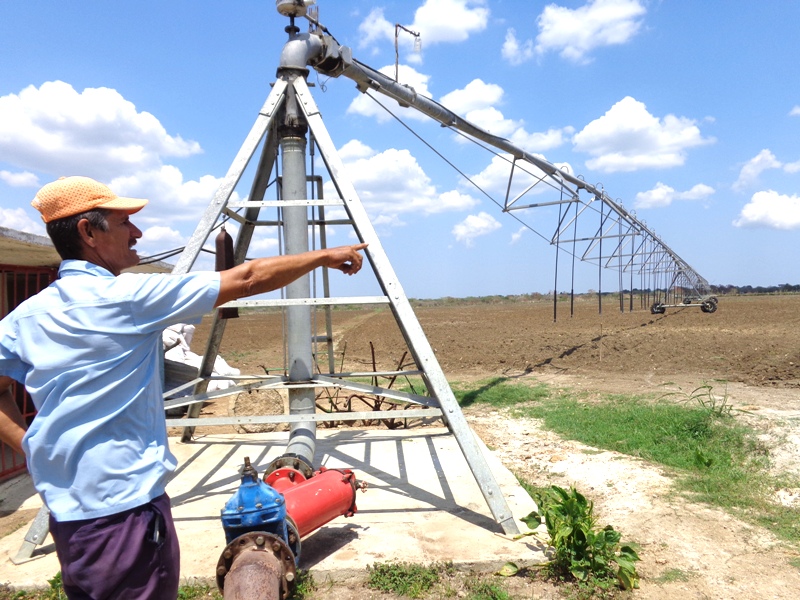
<point x="748" y="351"/>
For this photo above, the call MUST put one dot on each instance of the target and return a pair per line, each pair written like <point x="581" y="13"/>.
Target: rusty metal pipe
<point x="254" y="575"/>
<point x="256" y="565"/>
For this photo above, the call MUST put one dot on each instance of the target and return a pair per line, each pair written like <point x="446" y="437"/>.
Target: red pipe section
<point x="311" y="503"/>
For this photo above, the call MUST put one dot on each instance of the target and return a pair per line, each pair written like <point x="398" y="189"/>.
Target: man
<point x="87" y="350"/>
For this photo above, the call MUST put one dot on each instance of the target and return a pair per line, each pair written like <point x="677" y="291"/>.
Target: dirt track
<point x="748" y="350"/>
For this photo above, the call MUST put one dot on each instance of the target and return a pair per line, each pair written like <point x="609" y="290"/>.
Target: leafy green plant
<point x="582" y="551"/>
<point x="407" y="579"/>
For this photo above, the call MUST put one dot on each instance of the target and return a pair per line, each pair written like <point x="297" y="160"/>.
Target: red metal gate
<point x="17" y="284"/>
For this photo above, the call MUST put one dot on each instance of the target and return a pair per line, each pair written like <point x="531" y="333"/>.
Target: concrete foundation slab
<point x="421" y="505"/>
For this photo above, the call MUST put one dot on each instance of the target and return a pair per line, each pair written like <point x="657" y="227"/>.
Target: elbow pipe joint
<point x="301" y="50"/>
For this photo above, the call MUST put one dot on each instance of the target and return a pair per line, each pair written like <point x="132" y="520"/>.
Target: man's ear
<point x="86" y="232"/>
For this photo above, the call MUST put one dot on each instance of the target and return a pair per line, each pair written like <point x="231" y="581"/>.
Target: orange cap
<point x="73" y="195"/>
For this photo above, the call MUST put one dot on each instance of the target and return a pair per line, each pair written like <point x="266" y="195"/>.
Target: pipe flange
<point x="294" y="538"/>
<point x="259" y="541"/>
<point x="292" y="461"/>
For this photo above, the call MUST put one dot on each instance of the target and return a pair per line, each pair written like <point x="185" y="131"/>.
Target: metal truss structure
<point x="283" y="128"/>
<point x="591" y="226"/>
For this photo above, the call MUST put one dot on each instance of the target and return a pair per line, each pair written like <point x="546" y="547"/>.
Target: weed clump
<point x="583" y="552"/>
<point x="406" y="579"/>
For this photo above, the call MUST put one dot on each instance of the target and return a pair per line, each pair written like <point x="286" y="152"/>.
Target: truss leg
<point x="35" y="536"/>
<point x="406" y="319"/>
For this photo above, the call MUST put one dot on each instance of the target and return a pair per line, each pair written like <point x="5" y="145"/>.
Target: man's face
<point x="115" y="247"/>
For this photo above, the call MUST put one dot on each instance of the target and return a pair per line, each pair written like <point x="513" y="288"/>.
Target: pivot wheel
<point x="708" y="306"/>
<point x="658" y="308"/>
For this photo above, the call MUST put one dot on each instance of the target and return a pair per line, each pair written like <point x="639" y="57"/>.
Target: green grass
<point x="481" y="588"/>
<point x="714" y="458"/>
<point x="55" y="591"/>
<point x="406" y="579"/>
<point x="673" y="575"/>
<point x="500" y="392"/>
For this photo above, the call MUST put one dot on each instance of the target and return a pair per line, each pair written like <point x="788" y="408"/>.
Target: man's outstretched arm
<point x="12" y="425"/>
<point x="267" y="274"/>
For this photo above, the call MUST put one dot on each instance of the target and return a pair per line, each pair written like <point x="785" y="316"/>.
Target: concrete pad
<point x="421" y="505"/>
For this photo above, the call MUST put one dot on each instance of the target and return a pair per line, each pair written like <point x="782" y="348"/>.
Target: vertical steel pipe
<point x="302" y="436"/>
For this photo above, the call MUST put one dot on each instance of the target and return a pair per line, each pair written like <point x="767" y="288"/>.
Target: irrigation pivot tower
<point x="289" y="126"/>
<point x="591" y="226"/>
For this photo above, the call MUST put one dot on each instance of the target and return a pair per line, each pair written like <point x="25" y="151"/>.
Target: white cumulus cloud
<point x="664" y="195"/>
<point x="20" y="179"/>
<point x="96" y="132"/>
<point x="436" y="21"/>
<point x="629" y="138"/>
<point x="771" y="210"/>
<point x="752" y="169"/>
<point x="172" y="200"/>
<point x="575" y="33"/>
<point x="517" y="235"/>
<point x="449" y="21"/>
<point x="19" y="220"/>
<point x="475" y="226"/>
<point x="158" y="238"/>
<point x="514" y="51"/>
<point x="370" y="106"/>
<point x="375" y="28"/>
<point x="477" y="102"/>
<point x="392" y="183"/>
<point x="795" y="112"/>
<point x="494" y="178"/>
<point x="476" y="95"/>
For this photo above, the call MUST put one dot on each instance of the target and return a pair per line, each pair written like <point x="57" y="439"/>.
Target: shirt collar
<point x="82" y="267"/>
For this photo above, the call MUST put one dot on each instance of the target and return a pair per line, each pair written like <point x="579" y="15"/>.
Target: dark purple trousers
<point x="133" y="555"/>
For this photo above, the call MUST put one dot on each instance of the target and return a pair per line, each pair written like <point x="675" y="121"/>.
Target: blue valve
<point x="255" y="506"/>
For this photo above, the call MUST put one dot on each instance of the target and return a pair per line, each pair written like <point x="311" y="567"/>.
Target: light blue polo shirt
<point x="87" y="349"/>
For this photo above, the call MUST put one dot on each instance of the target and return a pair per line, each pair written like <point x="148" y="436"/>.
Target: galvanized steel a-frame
<point x="289" y="109"/>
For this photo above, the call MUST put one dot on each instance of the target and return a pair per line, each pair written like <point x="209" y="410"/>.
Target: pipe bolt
<point x="227" y="554"/>
<point x="260" y="540"/>
<point x="290" y="577"/>
<point x="276" y="547"/>
<point x="221" y="571"/>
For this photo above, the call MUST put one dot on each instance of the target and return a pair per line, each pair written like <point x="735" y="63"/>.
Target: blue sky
<point x="686" y="112"/>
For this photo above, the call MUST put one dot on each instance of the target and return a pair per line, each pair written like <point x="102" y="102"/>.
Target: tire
<point x="708" y="306"/>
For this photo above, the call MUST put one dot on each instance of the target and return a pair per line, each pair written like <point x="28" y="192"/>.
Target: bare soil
<point x="748" y="352"/>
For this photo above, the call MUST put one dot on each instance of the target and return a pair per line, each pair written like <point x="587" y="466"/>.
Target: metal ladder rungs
<point x="318" y="417"/>
<point x="341" y="301"/>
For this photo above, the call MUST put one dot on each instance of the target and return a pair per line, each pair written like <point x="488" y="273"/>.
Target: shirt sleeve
<point x="10" y="364"/>
<point x="161" y="300"/>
